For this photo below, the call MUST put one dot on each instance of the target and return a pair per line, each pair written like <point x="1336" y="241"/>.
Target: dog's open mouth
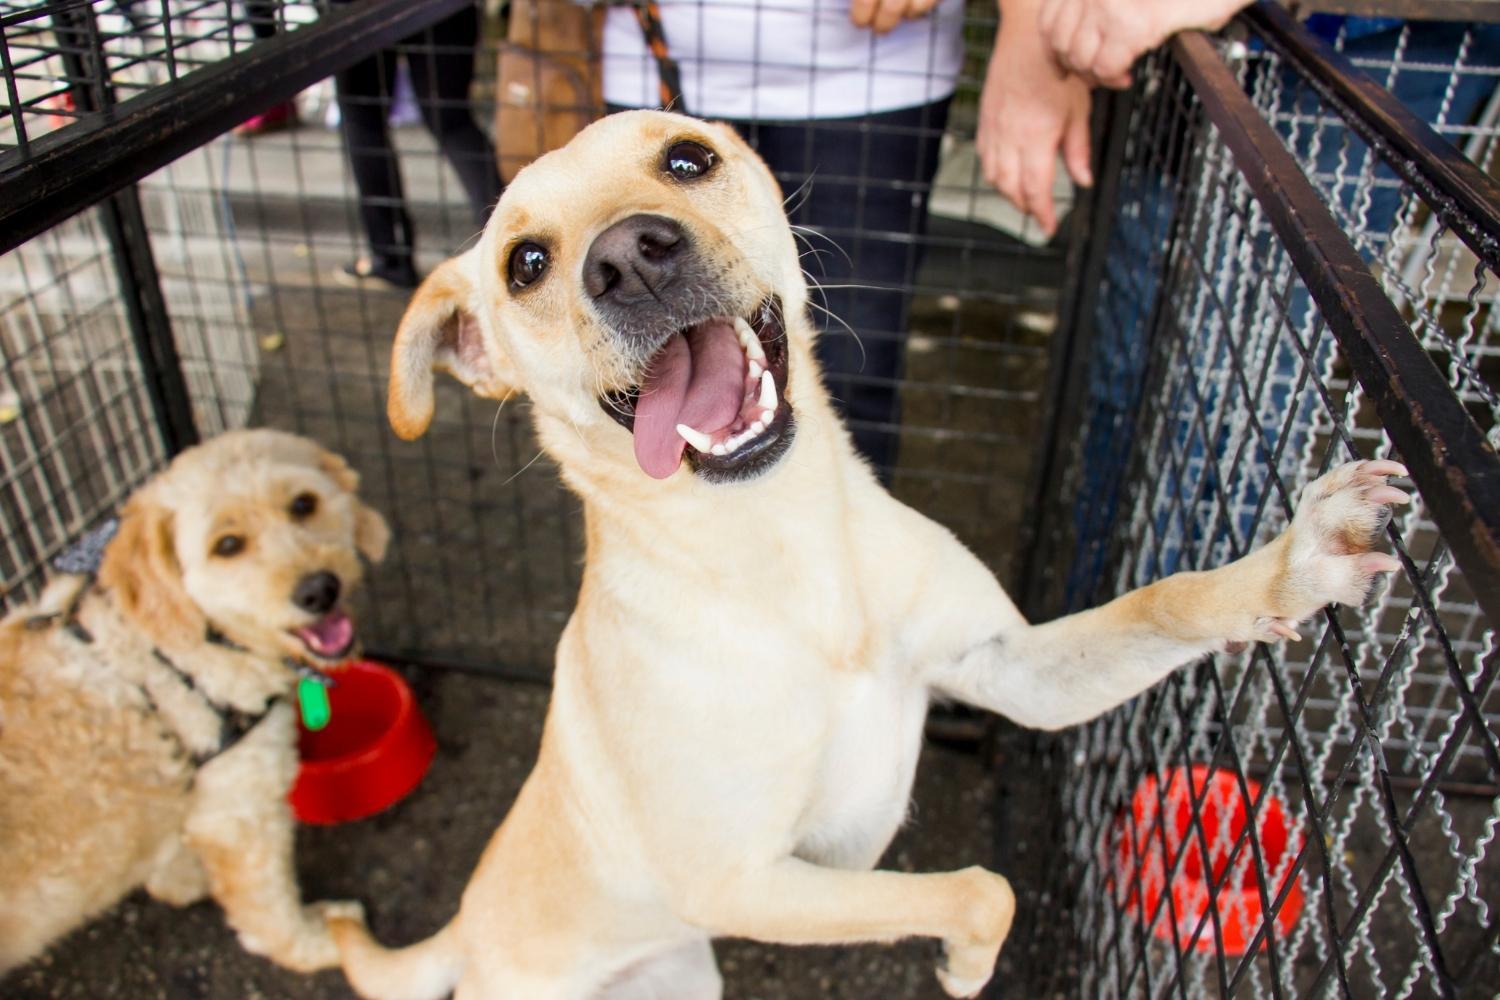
<point x="715" y="392"/>
<point x="330" y="637"/>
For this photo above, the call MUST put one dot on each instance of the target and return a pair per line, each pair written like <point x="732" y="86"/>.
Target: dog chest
<point x="865" y="772"/>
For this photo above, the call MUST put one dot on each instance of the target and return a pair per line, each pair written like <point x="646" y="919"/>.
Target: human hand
<point x="882" y="15"/>
<point x="1099" y="39"/>
<point x="1028" y="110"/>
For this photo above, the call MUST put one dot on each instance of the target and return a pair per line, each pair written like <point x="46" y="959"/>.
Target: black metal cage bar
<point x="103" y="148"/>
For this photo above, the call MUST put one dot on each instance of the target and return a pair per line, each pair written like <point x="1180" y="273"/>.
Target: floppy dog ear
<point x="441" y="332"/>
<point x="371" y="536"/>
<point x="370" y="532"/>
<point x="140" y="568"/>
<point x="339" y="470"/>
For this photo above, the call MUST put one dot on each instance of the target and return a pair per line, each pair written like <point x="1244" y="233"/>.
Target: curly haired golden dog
<point x="739" y="694"/>
<point x="147" y="735"/>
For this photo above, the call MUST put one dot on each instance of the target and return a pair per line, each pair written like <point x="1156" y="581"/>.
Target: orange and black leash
<point x="649" y="15"/>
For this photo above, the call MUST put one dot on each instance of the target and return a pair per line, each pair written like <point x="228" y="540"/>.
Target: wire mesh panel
<point x="74" y="390"/>
<point x="1448" y="75"/>
<point x="1308" y="819"/>
<point x="67" y="62"/>
<point x="76" y="428"/>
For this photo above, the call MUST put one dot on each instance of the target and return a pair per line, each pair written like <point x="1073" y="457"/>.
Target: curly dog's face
<point x="642" y="286"/>
<point x="256" y="535"/>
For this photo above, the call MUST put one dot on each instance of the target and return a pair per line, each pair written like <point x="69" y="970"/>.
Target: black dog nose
<point x="635" y="259"/>
<point x="317" y="592"/>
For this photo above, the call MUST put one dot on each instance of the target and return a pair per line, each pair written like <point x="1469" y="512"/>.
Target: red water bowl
<point x="373" y="752"/>
<point x="1140" y="861"/>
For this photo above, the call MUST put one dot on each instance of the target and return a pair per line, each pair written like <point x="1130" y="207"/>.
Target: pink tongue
<point x="330" y="635"/>
<point x="698" y="380"/>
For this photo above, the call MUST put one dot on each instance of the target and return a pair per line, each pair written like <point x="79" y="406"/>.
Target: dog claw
<point x="1278" y="627"/>
<point x="1384" y="467"/>
<point x="1379" y="562"/>
<point x="1389" y="494"/>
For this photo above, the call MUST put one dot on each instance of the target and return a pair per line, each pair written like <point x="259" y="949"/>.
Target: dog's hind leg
<point x="687" y="972"/>
<point x="1076" y="668"/>
<point x="178" y="878"/>
<point x="794" y="902"/>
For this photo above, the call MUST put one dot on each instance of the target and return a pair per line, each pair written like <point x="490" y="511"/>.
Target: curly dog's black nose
<point x="317" y="593"/>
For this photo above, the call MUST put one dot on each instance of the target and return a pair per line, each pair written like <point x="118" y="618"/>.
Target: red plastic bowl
<point x="1140" y="862"/>
<point x="373" y="752"/>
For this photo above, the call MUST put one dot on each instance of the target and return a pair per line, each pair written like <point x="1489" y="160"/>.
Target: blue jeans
<point x="871" y="178"/>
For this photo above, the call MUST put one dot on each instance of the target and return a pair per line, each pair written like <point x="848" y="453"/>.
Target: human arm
<point x="1099" y="39"/>
<point x="1028" y="111"/>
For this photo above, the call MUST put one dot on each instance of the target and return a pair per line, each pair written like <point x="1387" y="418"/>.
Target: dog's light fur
<point x="97" y="792"/>
<point x="740" y="693"/>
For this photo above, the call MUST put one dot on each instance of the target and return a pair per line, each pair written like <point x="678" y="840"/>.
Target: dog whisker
<point x="495" y="430"/>
<point x="576" y="430"/>
<point x="859" y="342"/>
<point x="523" y="468"/>
<point x="817" y="257"/>
<point x="805" y="232"/>
<point x="473" y="238"/>
<point x="802" y="193"/>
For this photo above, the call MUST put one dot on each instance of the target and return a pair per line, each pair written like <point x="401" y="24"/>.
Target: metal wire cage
<point x="1302" y="820"/>
<point x="1318" y="818"/>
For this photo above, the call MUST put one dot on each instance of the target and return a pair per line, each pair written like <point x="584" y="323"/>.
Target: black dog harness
<point x="83" y="559"/>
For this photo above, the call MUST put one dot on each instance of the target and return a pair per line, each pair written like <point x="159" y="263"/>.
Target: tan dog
<point x="740" y="693"/>
<point x="147" y="731"/>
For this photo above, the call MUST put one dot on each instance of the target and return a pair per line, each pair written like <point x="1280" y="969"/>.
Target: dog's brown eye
<point x="303" y="505"/>
<point x="528" y="262"/>
<point x="229" y="545"/>
<point x="688" y="161"/>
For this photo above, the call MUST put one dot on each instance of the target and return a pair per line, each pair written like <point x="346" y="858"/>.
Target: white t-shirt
<point x="784" y="59"/>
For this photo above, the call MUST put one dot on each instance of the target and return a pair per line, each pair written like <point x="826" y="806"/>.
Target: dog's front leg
<point x="243" y="830"/>
<point x="1076" y="668"/>
<point x="795" y="902"/>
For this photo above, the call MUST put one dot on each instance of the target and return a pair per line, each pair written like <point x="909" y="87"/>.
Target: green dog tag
<point x="312" y="699"/>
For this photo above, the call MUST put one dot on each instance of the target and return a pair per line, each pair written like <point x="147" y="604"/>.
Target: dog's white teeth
<point x="755" y="369"/>
<point x="699" y="440"/>
<point x="767" y="399"/>
<point x="756" y="428"/>
<point x="749" y="341"/>
<point x="721" y="449"/>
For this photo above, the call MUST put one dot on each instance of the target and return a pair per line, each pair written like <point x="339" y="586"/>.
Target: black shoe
<point x="366" y="272"/>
